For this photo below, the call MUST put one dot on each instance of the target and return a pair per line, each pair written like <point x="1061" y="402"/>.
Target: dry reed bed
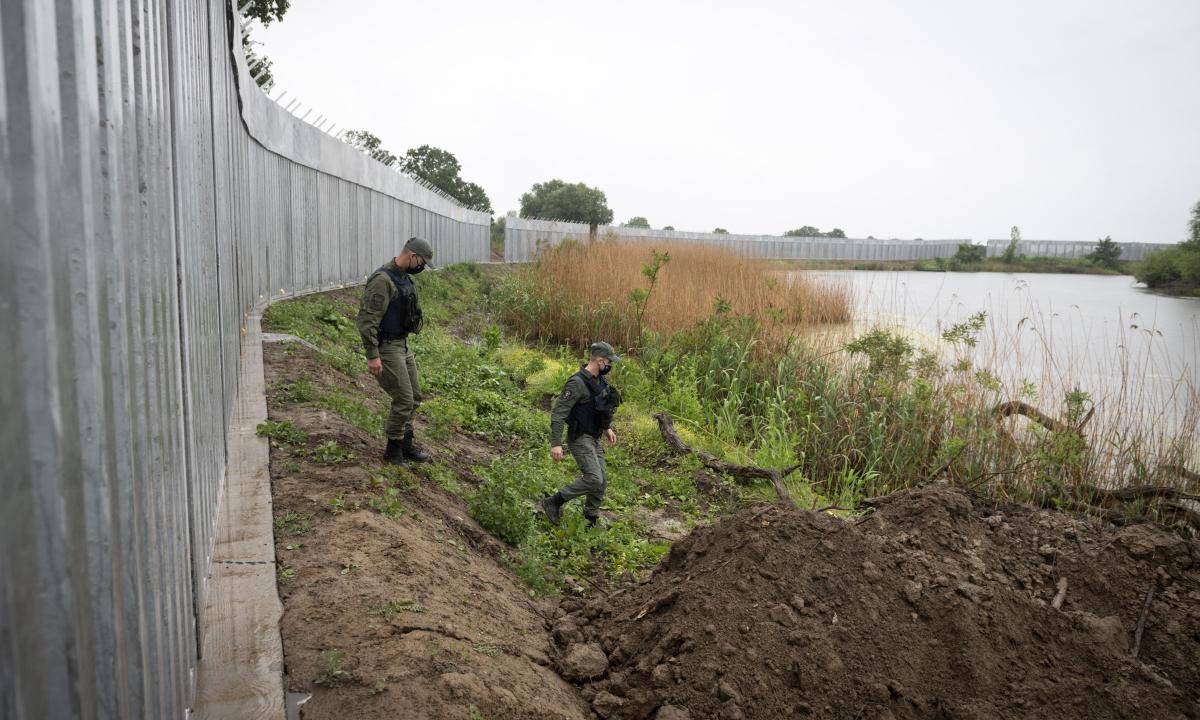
<point x="585" y="291"/>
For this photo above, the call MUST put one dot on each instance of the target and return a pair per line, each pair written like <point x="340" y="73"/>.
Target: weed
<point x="285" y="574"/>
<point x="281" y="432"/>
<point x="290" y="524"/>
<point x="393" y="476"/>
<point x="301" y="391"/>
<point x="388" y="503"/>
<point x="392" y="608"/>
<point x="487" y="649"/>
<point x="377" y="689"/>
<point x="329" y="669"/>
<point x="330" y="453"/>
<point x="291" y="466"/>
<point x="336" y="505"/>
<point x="473" y="713"/>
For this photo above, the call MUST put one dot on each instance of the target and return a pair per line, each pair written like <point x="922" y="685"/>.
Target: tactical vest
<point x="594" y="415"/>
<point x="403" y="314"/>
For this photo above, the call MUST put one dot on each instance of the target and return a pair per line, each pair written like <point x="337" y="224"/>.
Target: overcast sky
<point x="939" y="119"/>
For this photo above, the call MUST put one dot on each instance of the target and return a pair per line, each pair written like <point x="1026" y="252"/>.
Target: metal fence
<point x="150" y="197"/>
<point x="525" y="237"/>
<point x="1070" y="248"/>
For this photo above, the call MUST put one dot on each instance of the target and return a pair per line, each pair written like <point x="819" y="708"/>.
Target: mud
<point x="935" y="606"/>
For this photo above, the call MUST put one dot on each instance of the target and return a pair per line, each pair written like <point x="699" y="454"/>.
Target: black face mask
<point x="417" y="270"/>
<point x="606" y="369"/>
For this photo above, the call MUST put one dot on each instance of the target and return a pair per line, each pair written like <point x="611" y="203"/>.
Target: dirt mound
<point x="935" y="606"/>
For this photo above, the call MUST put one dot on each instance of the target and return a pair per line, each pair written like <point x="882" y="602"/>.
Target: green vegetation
<point x="329" y="669"/>
<point x="574" y="202"/>
<point x="281" y="432"/>
<point x="329" y="453"/>
<point x="392" y="608"/>
<point x="636" y="222"/>
<point x="878" y="414"/>
<point x="290" y="524"/>
<point x="1175" y="270"/>
<point x="810" y="231"/>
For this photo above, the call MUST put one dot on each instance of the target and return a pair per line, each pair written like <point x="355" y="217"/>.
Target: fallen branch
<point x="1141" y="626"/>
<point x="1017" y="407"/>
<point x="666" y="427"/>
<point x="1061" y="595"/>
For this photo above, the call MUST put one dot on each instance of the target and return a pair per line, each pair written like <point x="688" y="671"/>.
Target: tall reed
<point x="580" y="292"/>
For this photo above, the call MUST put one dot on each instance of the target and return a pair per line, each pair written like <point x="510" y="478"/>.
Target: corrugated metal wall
<point x="524" y="237"/>
<point x="150" y="197"/>
<point x="1071" y="248"/>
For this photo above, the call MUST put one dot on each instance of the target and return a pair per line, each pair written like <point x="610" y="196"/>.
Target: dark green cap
<point x="604" y="350"/>
<point x="422" y="248"/>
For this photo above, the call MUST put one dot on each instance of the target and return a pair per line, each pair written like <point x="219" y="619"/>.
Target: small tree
<point x="668" y="227"/>
<point x="640" y="297"/>
<point x="637" y="222"/>
<point x="1194" y="228"/>
<point x="1010" y="253"/>
<point x="805" y="231"/>
<point x="836" y="233"/>
<point x="720" y="231"/>
<point x="1107" y="254"/>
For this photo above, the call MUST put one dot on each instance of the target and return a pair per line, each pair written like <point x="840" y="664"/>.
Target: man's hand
<point x="556" y="453"/>
<point x="611" y="435"/>
<point x="375" y="366"/>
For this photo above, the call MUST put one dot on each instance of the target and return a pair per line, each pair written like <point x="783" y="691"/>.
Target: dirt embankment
<point x="933" y="607"/>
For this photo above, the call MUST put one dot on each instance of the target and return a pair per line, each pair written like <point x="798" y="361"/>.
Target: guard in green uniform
<point x="388" y="315"/>
<point x="585" y="406"/>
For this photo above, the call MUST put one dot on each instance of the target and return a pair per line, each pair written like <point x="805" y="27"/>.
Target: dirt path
<point x="428" y="620"/>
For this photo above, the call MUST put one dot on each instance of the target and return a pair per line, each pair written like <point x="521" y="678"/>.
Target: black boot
<point x="552" y="506"/>
<point x="394" y="454"/>
<point x="409" y="448"/>
<point x="592" y="520"/>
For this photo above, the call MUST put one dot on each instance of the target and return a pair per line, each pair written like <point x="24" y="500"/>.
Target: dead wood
<point x="1141" y="625"/>
<point x="666" y="426"/>
<point x="1017" y="407"/>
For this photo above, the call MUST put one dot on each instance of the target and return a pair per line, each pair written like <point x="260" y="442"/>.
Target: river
<point x="1134" y="352"/>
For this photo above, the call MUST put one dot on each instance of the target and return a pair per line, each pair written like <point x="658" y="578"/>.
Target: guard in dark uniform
<point x="388" y="315"/>
<point x="585" y="407"/>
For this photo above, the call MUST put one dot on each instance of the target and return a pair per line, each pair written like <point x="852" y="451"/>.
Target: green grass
<point x="391" y="608"/>
<point x="290" y="524"/>
<point x="281" y="432"/>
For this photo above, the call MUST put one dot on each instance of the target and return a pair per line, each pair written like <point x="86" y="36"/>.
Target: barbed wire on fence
<point x="295" y="105"/>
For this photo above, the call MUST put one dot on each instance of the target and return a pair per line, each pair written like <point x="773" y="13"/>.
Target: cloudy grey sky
<point x="934" y="119"/>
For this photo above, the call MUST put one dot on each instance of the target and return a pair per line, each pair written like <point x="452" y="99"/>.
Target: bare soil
<point x="936" y="606"/>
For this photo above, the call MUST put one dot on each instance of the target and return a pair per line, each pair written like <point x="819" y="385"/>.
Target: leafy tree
<point x="574" y="202"/>
<point x="370" y="144"/>
<point x="970" y="253"/>
<point x="264" y="11"/>
<point x="441" y="169"/>
<point x="805" y="231"/>
<point x="1107" y="254"/>
<point x="1010" y="253"/>
<point x="836" y="233"/>
<point x="668" y="227"/>
<point x="637" y="222"/>
<point x="1194" y="228"/>
<point x="720" y="231"/>
<point x="498" y="234"/>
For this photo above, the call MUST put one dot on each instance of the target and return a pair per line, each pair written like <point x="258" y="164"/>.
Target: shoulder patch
<point x="566" y="394"/>
<point x="377" y="302"/>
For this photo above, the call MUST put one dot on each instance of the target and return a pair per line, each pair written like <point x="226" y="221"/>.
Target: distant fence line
<point x="151" y="198"/>
<point x="1071" y="248"/>
<point x="525" y="237"/>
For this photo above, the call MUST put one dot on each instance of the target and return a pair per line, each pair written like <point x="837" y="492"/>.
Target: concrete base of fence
<point x="240" y="674"/>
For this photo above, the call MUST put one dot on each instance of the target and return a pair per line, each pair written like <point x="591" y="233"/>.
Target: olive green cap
<point x="604" y="350"/>
<point x="421" y="247"/>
